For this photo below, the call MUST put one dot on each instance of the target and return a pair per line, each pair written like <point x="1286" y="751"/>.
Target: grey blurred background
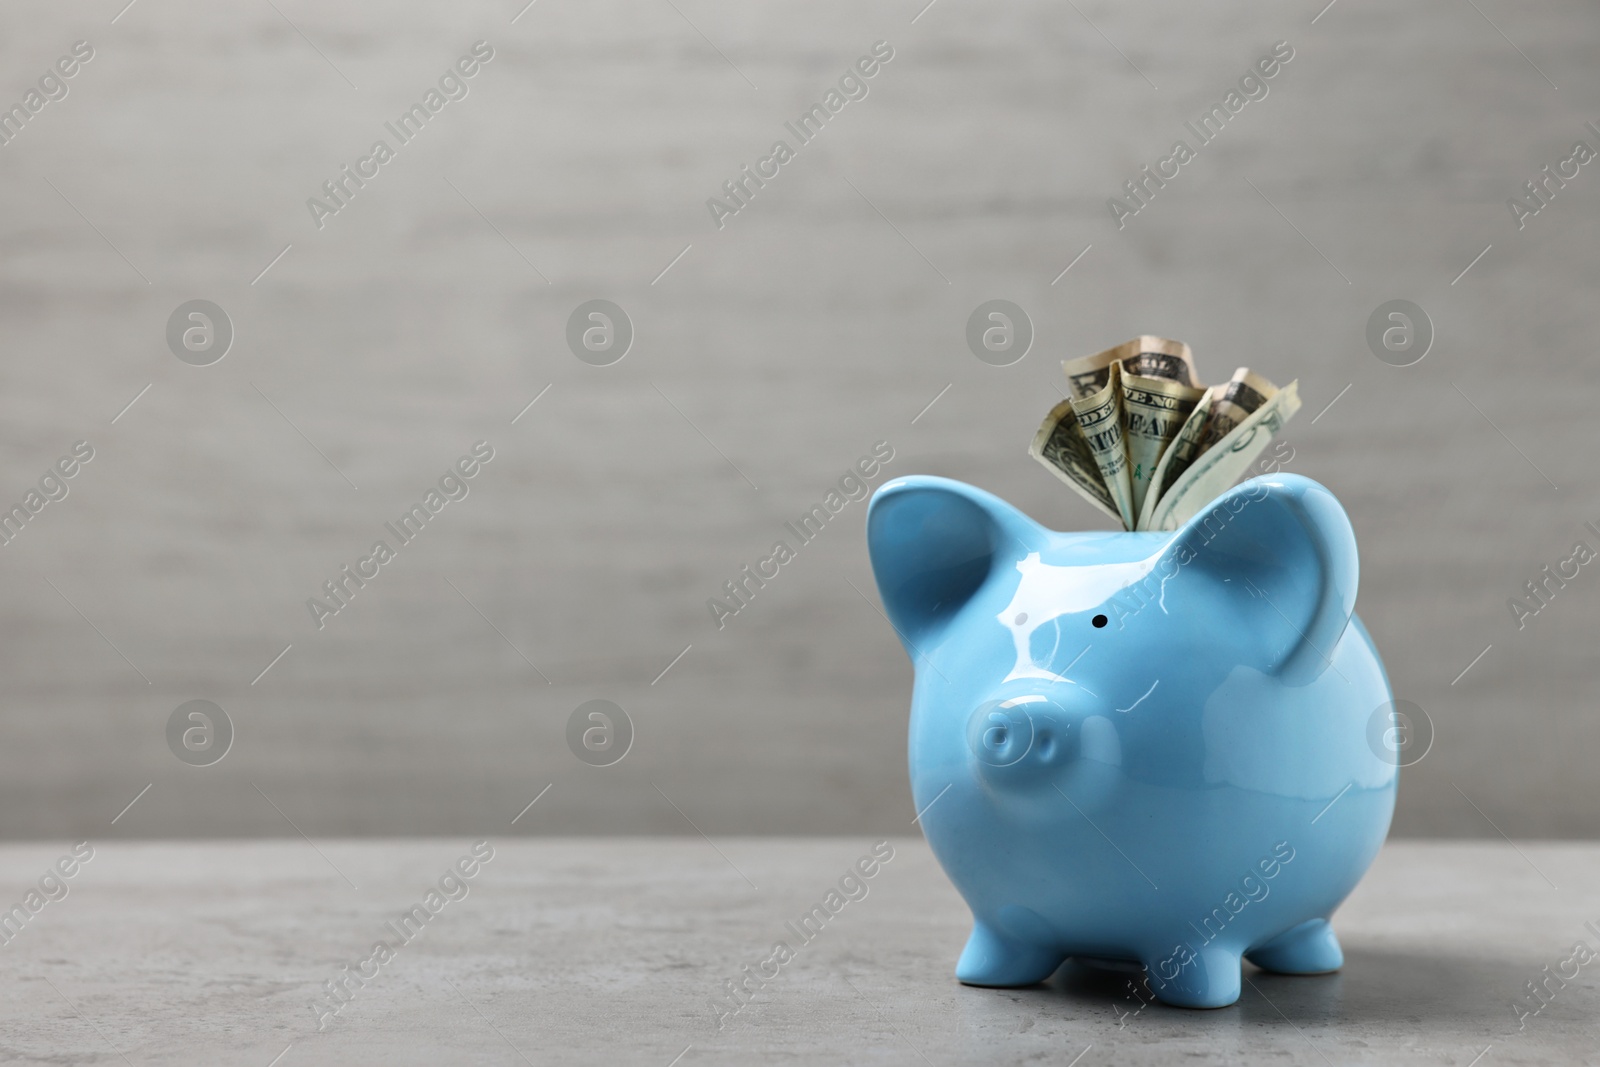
<point x="822" y="318"/>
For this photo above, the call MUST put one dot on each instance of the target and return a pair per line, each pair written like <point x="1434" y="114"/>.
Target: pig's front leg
<point x="993" y="960"/>
<point x="1207" y="977"/>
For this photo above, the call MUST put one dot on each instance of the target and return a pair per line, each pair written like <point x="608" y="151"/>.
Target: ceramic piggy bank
<point x="1152" y="748"/>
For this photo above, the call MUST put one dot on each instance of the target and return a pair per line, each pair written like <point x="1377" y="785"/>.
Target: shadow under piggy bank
<point x="1140" y="747"/>
<point x="1375" y="987"/>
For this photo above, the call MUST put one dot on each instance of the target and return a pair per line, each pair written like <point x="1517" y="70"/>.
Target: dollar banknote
<point x="1236" y="399"/>
<point x="1142" y="439"/>
<point x="1179" y="455"/>
<point x="1144" y="356"/>
<point x="1216" y="468"/>
<point x="1060" y="446"/>
<point x="1154" y="410"/>
<point x="1154" y="357"/>
<point x="1100" y="416"/>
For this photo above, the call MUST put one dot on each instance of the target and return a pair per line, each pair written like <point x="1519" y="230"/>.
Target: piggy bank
<point x="1152" y="749"/>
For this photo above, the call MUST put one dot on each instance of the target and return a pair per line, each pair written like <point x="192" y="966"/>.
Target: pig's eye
<point x="1099" y="621"/>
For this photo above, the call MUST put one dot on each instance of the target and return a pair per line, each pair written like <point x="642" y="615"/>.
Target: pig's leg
<point x="992" y="960"/>
<point x="1309" y="948"/>
<point x="1207" y="978"/>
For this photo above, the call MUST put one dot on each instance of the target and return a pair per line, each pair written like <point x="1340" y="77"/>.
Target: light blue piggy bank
<point x="1144" y="747"/>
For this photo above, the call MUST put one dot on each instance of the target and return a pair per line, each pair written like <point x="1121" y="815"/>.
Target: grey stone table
<point x="618" y="951"/>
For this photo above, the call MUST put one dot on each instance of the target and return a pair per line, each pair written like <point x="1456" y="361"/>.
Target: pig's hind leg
<point x="992" y="960"/>
<point x="1310" y="948"/>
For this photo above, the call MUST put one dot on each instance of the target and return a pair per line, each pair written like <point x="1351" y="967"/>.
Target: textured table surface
<point x="612" y="950"/>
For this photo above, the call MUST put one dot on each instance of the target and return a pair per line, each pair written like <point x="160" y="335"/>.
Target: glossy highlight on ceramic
<point x="1144" y="748"/>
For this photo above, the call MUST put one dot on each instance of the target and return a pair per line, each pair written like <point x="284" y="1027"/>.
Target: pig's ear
<point x="1285" y="556"/>
<point x="934" y="542"/>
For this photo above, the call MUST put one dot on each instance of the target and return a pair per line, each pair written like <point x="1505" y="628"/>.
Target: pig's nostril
<point x="999" y="735"/>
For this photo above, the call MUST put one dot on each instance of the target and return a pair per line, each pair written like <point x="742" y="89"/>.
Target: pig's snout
<point x="1016" y="739"/>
